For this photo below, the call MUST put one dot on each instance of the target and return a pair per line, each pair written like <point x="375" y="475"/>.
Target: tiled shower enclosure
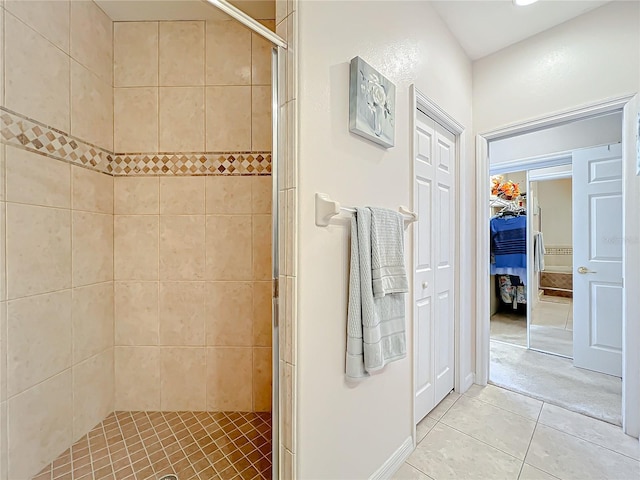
<point x="135" y="231"/>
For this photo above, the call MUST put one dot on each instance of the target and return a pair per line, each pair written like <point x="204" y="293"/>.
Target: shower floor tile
<point x="148" y="445"/>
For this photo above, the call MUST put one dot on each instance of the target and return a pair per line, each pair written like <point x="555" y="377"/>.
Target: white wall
<point x="343" y="431"/>
<point x="592" y="132"/>
<point x="593" y="57"/>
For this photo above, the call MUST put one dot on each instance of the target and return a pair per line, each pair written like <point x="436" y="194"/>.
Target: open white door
<point x="433" y="263"/>
<point x="597" y="259"/>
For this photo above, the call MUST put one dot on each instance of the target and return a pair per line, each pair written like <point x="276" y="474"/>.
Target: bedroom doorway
<point x="533" y="240"/>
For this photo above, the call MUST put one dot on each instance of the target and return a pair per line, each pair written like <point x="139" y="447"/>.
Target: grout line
<point x="505" y="409"/>
<point x="528" y="447"/>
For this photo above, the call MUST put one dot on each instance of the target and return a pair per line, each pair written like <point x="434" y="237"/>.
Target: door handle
<point x="584" y="270"/>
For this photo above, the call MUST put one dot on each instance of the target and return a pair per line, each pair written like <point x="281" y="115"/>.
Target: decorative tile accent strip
<point x="243" y="163"/>
<point x="20" y="131"/>
<point x="36" y="137"/>
<point x="559" y="250"/>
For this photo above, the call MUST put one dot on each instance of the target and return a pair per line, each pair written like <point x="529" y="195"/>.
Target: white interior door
<point x="434" y="240"/>
<point x="597" y="259"/>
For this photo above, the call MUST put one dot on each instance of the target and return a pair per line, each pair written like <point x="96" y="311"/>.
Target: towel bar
<point x="326" y="209"/>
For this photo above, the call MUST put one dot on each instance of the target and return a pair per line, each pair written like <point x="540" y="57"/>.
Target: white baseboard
<point x="394" y="462"/>
<point x="468" y="381"/>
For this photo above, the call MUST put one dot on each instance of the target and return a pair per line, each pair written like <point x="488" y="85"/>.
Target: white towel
<point x="387" y="253"/>
<point x="538" y="252"/>
<point x="375" y="325"/>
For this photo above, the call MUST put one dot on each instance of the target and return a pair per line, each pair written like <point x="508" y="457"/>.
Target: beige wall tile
<point x="182" y="314"/>
<point x="3" y="348"/>
<point x="286" y="387"/>
<point x="262" y="247"/>
<point x="281" y="10"/>
<point x="135" y="54"/>
<point x="135" y="112"/>
<point x="91" y="191"/>
<point x="262" y="379"/>
<point x="93" y="391"/>
<point x="36" y="179"/>
<point x="228" y="194"/>
<point x="181" y="119"/>
<point x="92" y="38"/>
<point x="92" y="315"/>
<point x="228" y="247"/>
<point x="182" y="247"/>
<point x="261" y="118"/>
<point x="228" y="53"/>
<point x="290" y="233"/>
<point x="261" y="57"/>
<point x="3" y="441"/>
<point x="38" y="250"/>
<point x="228" y="114"/>
<point x="262" y="330"/>
<point x="136" y="247"/>
<point x="91" y="107"/>
<point x="136" y="313"/>
<point x="36" y="76"/>
<point x="3" y="251"/>
<point x="136" y="195"/>
<point x="40" y="425"/>
<point x="291" y="58"/>
<point x="283" y="328"/>
<point x="38" y="339"/>
<point x="181" y="53"/>
<point x="2" y="74"/>
<point x="261" y="194"/>
<point x="2" y="146"/>
<point x="182" y="374"/>
<point x="290" y="320"/>
<point x="229" y="313"/>
<point x="291" y="173"/>
<point x="92" y="248"/>
<point x="229" y="372"/>
<point x="182" y="195"/>
<point x="282" y="231"/>
<point x="137" y="378"/>
<point x="281" y="30"/>
<point x="49" y="19"/>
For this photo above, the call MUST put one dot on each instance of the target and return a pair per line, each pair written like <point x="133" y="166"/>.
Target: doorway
<point x="545" y="322"/>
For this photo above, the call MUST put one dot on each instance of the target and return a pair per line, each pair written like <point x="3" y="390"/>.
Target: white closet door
<point x="434" y="241"/>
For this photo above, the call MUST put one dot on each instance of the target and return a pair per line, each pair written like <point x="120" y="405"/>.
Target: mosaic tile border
<point x="558" y="251"/>
<point x="23" y="132"/>
<point x="36" y="137"/>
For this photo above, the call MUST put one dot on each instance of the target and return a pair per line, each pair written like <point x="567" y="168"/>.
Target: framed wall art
<point x="372" y="102"/>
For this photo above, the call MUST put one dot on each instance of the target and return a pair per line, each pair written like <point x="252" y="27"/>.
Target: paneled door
<point x="597" y="259"/>
<point x="433" y="255"/>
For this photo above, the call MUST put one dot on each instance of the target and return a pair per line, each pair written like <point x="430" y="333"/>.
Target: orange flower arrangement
<point x="509" y="190"/>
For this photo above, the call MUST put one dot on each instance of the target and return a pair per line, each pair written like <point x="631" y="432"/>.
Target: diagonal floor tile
<point x="590" y="429"/>
<point x="504" y="430"/>
<point x="407" y="472"/>
<point x="444" y="405"/>
<point x="447" y="453"/>
<point x="568" y="457"/>
<point x="532" y="473"/>
<point x="511" y="401"/>
<point x="424" y="427"/>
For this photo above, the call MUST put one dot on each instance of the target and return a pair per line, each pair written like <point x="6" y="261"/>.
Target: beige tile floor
<point x="551" y="326"/>
<point x="492" y="433"/>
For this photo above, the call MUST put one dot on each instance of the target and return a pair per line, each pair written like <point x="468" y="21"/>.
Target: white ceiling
<point x="483" y="27"/>
<point x="141" y="10"/>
